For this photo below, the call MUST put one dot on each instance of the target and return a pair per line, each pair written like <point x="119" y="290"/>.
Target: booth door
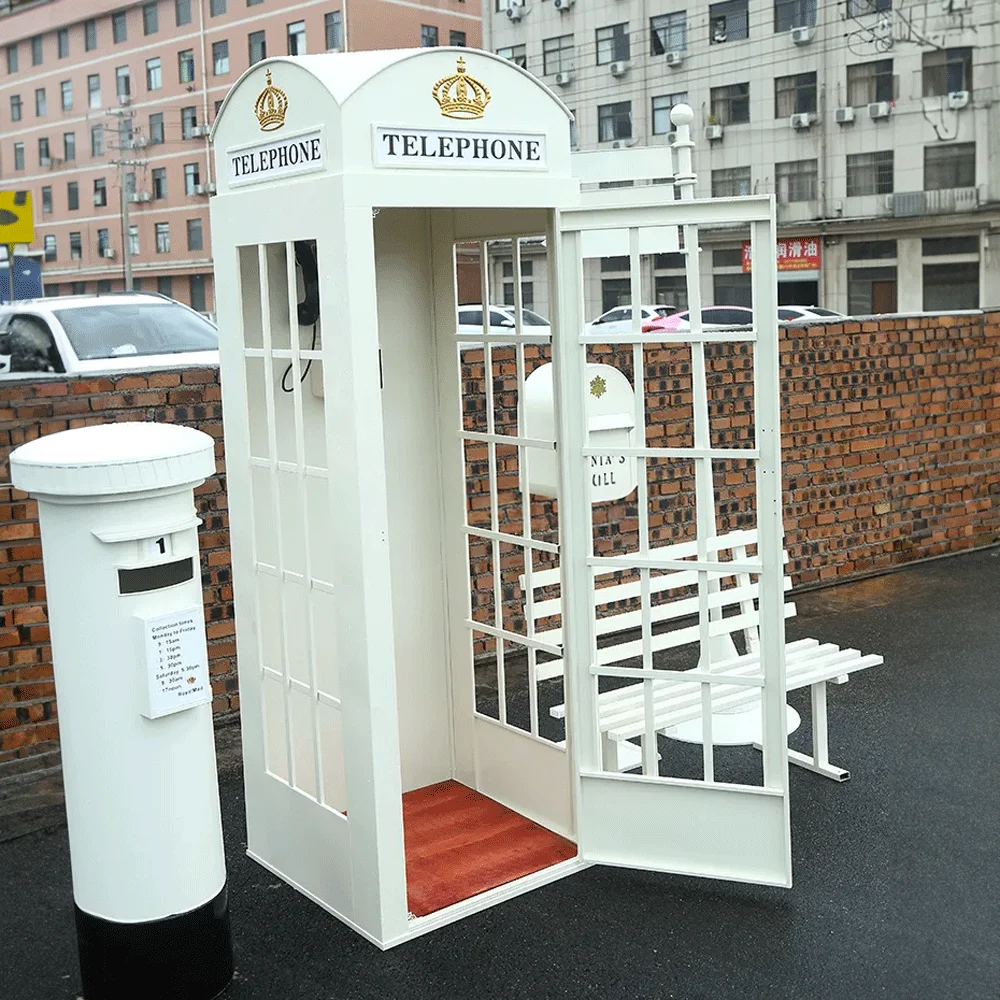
<point x="686" y="644"/>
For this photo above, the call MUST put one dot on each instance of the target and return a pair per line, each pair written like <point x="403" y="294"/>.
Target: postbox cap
<point x="113" y="458"/>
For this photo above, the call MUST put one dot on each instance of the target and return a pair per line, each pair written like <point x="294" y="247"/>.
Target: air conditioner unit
<point x="200" y="131"/>
<point x="958" y="99"/>
<point x="108" y="253"/>
<point x="675" y="58"/>
<point x="843" y="116"/>
<point x="45" y="161"/>
<point x="713" y="132"/>
<point x="515" y="12"/>
<point x="803" y="35"/>
<point x="564" y="79"/>
<point x="204" y="189"/>
<point x="139" y="197"/>
<point x="801" y="121"/>
<point x="139" y="142"/>
<point x="563" y="4"/>
<point x="888" y="203"/>
<point x="880" y="109"/>
<point x="620" y="67"/>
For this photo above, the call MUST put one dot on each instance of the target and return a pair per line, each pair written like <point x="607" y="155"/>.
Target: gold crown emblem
<point x="271" y="105"/>
<point x="461" y="95"/>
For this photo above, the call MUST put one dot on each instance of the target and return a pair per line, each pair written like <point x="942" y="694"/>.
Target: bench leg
<point x="620" y="756"/>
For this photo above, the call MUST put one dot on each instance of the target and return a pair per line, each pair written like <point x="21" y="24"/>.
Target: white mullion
<point x="300" y="475"/>
<point x="272" y="444"/>
<point x="733" y="336"/>
<point x="691" y="453"/>
<point x="728" y="568"/>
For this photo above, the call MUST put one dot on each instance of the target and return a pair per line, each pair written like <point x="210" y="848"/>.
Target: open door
<point x="674" y="607"/>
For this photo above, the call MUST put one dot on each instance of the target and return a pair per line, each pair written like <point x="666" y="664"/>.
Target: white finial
<point x="682" y="114"/>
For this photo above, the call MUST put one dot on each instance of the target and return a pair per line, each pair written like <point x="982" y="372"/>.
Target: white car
<point x="791" y="314"/>
<point x="618" y="321"/>
<point x="81" y="334"/>
<point x="502" y="320"/>
<point x="712" y="318"/>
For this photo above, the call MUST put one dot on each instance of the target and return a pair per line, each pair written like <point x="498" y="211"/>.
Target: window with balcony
<point x="100" y="193"/>
<point x="790" y="14"/>
<point x="796" y="180"/>
<point x="557" y="55"/>
<point x="15" y="107"/>
<point x="220" y="57"/>
<point x="257" y="44"/>
<point x="951" y="165"/>
<point x="19" y="156"/>
<point x="90" y="35"/>
<point x="668" y="33"/>
<point x="119" y="28"/>
<point x="612" y="43"/>
<point x="12" y="58"/>
<point x="731" y="182"/>
<point x="661" y="111"/>
<point x="868" y="83"/>
<point x="62" y="43"/>
<point x="189" y="122"/>
<point x="66" y="95"/>
<point x="185" y="66"/>
<point x="36" y="50"/>
<point x="159" y="183"/>
<point x="41" y="103"/>
<point x="794" y="95"/>
<point x="154" y="74"/>
<point x="94" y="91"/>
<point x="69" y="146"/>
<point x="151" y="17"/>
<point x="730" y="105"/>
<point x="614" y="121"/>
<point x="517" y="54"/>
<point x="182" y="12"/>
<point x="46" y="200"/>
<point x="333" y="27"/>
<point x="870" y="173"/>
<point x="156" y="128"/>
<point x="96" y="140"/>
<point x="946" y="71"/>
<point x="296" y="32"/>
<point x="951" y="286"/>
<point x="76" y="246"/>
<point x="49" y="244"/>
<point x="428" y="36"/>
<point x="123" y="82"/>
<point x="728" y="22"/>
<point x="195" y="237"/>
<point x="192" y="178"/>
<point x="163" y="237"/>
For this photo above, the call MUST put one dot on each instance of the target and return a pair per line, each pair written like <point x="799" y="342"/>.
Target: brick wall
<point x="890" y="446"/>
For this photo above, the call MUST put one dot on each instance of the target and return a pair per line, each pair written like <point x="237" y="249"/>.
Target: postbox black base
<point x="187" y="957"/>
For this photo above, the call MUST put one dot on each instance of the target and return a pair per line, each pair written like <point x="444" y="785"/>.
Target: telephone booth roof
<point x="446" y="126"/>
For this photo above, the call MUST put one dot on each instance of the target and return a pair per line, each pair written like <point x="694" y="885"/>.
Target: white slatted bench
<point x="809" y="662"/>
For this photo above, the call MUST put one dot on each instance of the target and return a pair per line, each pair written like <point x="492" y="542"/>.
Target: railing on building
<point x="903" y="204"/>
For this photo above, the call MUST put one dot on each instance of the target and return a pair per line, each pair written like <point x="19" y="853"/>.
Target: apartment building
<point x="876" y="123"/>
<point x="88" y="84"/>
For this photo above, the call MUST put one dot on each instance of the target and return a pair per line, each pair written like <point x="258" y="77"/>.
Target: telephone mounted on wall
<point x="307" y="295"/>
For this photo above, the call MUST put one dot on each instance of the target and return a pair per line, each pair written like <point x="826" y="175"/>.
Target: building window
<point x="951" y="286"/>
<point x="154" y="74"/>
<point x="615" y="292"/>
<point x="69" y="146"/>
<point x="11" y="58"/>
<point x="46" y="200"/>
<point x="794" y="95"/>
<point x="90" y="35"/>
<point x="133" y="241"/>
<point x="66" y="95"/>
<point x="130" y="182"/>
<point x="614" y="121"/>
<point x="947" y="70"/>
<point x="731" y="182"/>
<point x="943" y="246"/>
<point x="517" y="54"/>
<point x="220" y="57"/>
<point x="41" y="103"/>
<point x="94" y="90"/>
<point x="872" y="250"/>
<point x="194" y="234"/>
<point x="49" y="243"/>
<point x="254" y="3"/>
<point x="159" y="183"/>
<point x="527" y="287"/>
<point x="75" y="246"/>
<point x="870" y="173"/>
<point x="730" y="105"/>
<point x="732" y="290"/>
<point x="868" y="83"/>
<point x="217" y="109"/>
<point x="189" y="122"/>
<point x="671" y="290"/>
<point x="796" y="180"/>
<point x="62" y="42"/>
<point x="163" y="237"/>
<point x="216" y="8"/>
<point x="73" y="196"/>
<point x="36" y="50"/>
<point x="76" y="287"/>
<point x="52" y="290"/>
<point x="730" y="257"/>
<point x="949" y="166"/>
<point x="728" y="22"/>
<point x="333" y="26"/>
<point x="104" y="286"/>
<point x="612" y="43"/>
<point x="165" y="286"/>
<point x="574" y="135"/>
<point x="119" y="29"/>
<point x="151" y="18"/>
<point x="668" y="33"/>
<point x="156" y="128"/>
<point x="858" y="8"/>
<point x="100" y="193"/>
<point x="457" y="38"/>
<point x="871" y="290"/>
<point x="103" y="241"/>
<point x="661" y="111"/>
<point x="123" y="82"/>
<point x="790" y="14"/>
<point x="297" y="38"/>
<point x="182" y="12"/>
<point x="185" y="66"/>
<point x="15" y="107"/>
<point x="257" y="42"/>
<point x="428" y="36"/>
<point x="19" y="156"/>
<point x="196" y="286"/>
<point x="44" y="156"/>
<point x="557" y="55"/>
<point x="192" y="178"/>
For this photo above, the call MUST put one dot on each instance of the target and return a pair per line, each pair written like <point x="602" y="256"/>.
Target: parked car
<point x="618" y="321"/>
<point x="791" y="314"/>
<point x="78" y="334"/>
<point x="502" y="320"/>
<point x="712" y="318"/>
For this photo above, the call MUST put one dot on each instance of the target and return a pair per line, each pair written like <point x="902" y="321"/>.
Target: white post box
<point x="120" y="548"/>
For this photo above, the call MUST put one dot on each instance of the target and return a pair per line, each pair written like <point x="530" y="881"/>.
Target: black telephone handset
<point x="305" y="257"/>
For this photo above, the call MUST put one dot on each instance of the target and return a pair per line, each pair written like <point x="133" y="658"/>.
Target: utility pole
<point x="126" y="143"/>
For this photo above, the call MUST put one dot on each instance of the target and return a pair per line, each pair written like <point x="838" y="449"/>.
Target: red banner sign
<point x="793" y="255"/>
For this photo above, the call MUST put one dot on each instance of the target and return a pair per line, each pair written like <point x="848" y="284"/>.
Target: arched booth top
<point x="428" y="127"/>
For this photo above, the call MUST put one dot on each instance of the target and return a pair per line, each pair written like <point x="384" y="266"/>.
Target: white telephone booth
<point x="421" y="630"/>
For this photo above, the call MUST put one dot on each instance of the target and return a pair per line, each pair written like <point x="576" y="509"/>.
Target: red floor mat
<point x="460" y="843"/>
